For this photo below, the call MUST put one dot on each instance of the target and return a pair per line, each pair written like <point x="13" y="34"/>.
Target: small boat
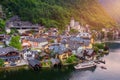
<point x="102" y="67"/>
<point x="85" y="65"/>
<point x="106" y="52"/>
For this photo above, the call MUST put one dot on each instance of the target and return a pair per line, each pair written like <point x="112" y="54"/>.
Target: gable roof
<point x="58" y="48"/>
<point x="36" y="39"/>
<point x="6" y="50"/>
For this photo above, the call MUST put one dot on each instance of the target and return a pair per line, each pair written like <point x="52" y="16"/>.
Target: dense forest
<point x="57" y="13"/>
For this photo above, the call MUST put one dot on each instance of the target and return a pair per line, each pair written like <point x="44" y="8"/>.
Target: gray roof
<point x="54" y="61"/>
<point x="58" y="48"/>
<point x="74" y="45"/>
<point x="17" y="23"/>
<point x="52" y="37"/>
<point x="75" y="42"/>
<point x="33" y="62"/>
<point x="33" y="52"/>
<point x="26" y="27"/>
<point x="36" y="39"/>
<point x="90" y="51"/>
<point x="43" y="54"/>
<point x="6" y="50"/>
<point x="2" y="35"/>
<point x="77" y="39"/>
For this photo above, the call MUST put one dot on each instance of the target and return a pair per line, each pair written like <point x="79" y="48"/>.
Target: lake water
<point x="69" y="73"/>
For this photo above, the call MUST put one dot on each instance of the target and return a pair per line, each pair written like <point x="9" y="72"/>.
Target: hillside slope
<point x="57" y="13"/>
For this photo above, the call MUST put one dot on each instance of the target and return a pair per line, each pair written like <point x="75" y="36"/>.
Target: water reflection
<point x="112" y="64"/>
<point x="69" y="73"/>
<point x="83" y="74"/>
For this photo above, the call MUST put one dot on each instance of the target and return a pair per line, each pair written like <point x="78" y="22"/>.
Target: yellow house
<point x="65" y="55"/>
<point x="90" y="45"/>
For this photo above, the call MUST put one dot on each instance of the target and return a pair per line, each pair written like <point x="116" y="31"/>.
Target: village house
<point x="21" y="26"/>
<point x="2" y="37"/>
<point x="84" y="35"/>
<point x="35" y="64"/>
<point x="60" y="51"/>
<point x="34" y="43"/>
<point x="9" y="54"/>
<point x="2" y="44"/>
<point x="74" y="43"/>
<point x="29" y="54"/>
<point x="5" y="39"/>
<point x="77" y="44"/>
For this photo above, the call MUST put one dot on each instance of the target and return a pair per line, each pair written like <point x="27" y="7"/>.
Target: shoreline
<point x="27" y="66"/>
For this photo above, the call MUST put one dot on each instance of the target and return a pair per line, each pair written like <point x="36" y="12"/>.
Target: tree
<point x="2" y="26"/>
<point x="74" y="31"/>
<point x="15" y="42"/>
<point x="1" y="62"/>
<point x="57" y="13"/>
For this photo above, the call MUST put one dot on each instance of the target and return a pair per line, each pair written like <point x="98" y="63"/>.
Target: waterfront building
<point x="59" y="50"/>
<point x="10" y="54"/>
<point x="29" y="54"/>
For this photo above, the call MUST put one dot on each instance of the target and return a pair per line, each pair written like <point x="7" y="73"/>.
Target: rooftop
<point x="36" y="39"/>
<point x="6" y="50"/>
<point x="15" y="22"/>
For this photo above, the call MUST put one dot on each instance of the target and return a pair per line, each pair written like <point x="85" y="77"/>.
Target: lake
<point x="69" y="73"/>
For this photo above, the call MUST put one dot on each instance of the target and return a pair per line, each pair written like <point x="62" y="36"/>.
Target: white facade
<point x="84" y="35"/>
<point x="39" y="45"/>
<point x="28" y="55"/>
<point x="72" y="23"/>
<point x="76" y="25"/>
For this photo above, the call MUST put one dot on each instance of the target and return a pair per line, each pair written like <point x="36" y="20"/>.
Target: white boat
<point x="85" y="65"/>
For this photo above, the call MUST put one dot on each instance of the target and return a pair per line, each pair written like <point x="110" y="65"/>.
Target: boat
<point x="85" y="65"/>
<point x="106" y="52"/>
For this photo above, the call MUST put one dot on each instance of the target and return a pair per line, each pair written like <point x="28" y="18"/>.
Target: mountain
<point x="57" y="13"/>
<point x="112" y="7"/>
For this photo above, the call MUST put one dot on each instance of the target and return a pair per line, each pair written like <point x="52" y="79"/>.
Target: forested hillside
<point x="57" y="13"/>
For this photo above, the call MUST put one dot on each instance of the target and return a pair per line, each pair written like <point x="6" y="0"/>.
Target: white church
<point x="76" y="25"/>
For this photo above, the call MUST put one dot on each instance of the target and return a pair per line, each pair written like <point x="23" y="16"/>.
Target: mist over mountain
<point x="112" y="7"/>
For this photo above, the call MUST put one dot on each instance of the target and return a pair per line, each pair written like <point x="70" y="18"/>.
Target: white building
<point x="76" y="25"/>
<point x="84" y="35"/>
<point x="72" y="23"/>
<point x="29" y="54"/>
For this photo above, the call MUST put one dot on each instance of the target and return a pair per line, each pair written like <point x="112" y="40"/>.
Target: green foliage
<point x="15" y="42"/>
<point x="51" y="41"/>
<point x="73" y="31"/>
<point x="13" y="31"/>
<point x="97" y="46"/>
<point x="96" y="49"/>
<point x="57" y="13"/>
<point x="2" y="26"/>
<point x="46" y="64"/>
<point x="71" y="59"/>
<point x="1" y="62"/>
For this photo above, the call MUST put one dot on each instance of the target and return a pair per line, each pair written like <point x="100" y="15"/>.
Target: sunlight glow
<point x="112" y="7"/>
